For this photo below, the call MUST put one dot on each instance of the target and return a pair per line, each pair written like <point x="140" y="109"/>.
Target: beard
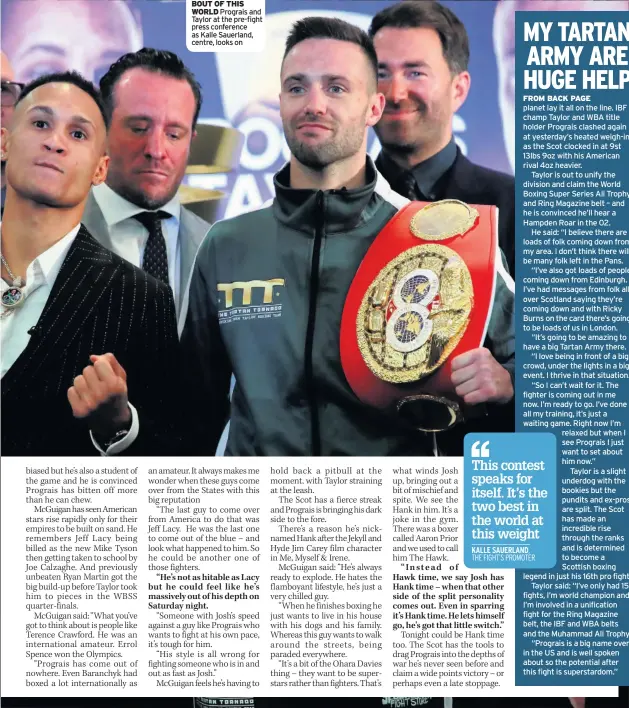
<point x="126" y="186"/>
<point x="143" y="200"/>
<point x="409" y="136"/>
<point x="343" y="142"/>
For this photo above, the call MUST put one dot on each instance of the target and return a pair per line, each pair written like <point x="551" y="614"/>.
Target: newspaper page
<point x="487" y="562"/>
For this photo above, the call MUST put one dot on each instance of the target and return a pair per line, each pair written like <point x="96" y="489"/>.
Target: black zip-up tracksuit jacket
<point x="265" y="304"/>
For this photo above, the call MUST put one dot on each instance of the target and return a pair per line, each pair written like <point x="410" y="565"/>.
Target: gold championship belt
<point x="421" y="296"/>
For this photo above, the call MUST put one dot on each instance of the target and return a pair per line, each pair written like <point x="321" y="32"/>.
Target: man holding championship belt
<point x="418" y="289"/>
<point x="423" y="56"/>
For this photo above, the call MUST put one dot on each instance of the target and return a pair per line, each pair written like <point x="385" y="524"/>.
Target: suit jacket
<point x="474" y="184"/>
<point x="99" y="303"/>
<point x="192" y="230"/>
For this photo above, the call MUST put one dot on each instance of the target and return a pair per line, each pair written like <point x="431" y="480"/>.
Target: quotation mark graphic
<point x="480" y="450"/>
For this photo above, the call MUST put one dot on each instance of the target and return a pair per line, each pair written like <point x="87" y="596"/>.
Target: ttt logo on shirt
<point x="251" y="299"/>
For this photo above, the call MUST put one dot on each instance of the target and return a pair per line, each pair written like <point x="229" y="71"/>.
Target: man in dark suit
<point x="77" y="321"/>
<point x="423" y="53"/>
<point x="153" y="101"/>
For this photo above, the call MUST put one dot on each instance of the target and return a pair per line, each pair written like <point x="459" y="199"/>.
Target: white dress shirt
<point x="15" y="323"/>
<point x="129" y="237"/>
